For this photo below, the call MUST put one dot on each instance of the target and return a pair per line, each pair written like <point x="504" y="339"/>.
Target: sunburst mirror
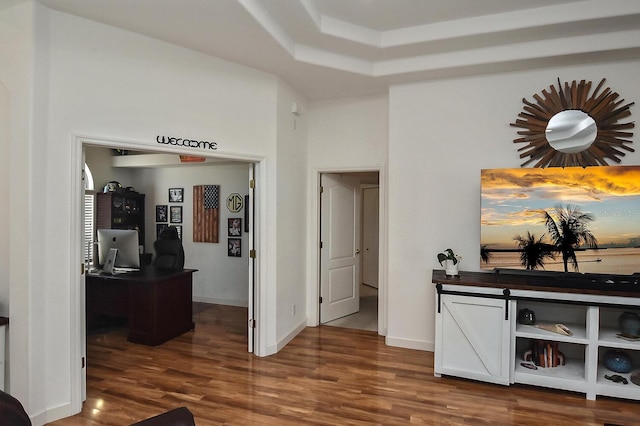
<point x="567" y="126"/>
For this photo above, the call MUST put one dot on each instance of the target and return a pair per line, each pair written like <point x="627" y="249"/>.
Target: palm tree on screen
<point x="568" y="231"/>
<point x="485" y="254"/>
<point x="533" y="252"/>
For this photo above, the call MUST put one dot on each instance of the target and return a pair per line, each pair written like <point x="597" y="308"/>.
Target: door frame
<point x="313" y="256"/>
<point x="78" y="326"/>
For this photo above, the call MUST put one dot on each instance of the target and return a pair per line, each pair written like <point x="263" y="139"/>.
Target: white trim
<point x="144" y="145"/>
<point x="313" y="288"/>
<point x="420" y="345"/>
<point x="289" y="337"/>
<point x="78" y="331"/>
<point x="216" y="301"/>
<point x="77" y="305"/>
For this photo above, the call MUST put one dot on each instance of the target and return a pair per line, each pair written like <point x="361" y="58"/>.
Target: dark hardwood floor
<point x="325" y="376"/>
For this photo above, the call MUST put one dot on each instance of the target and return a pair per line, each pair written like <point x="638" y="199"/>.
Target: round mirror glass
<point x="571" y="131"/>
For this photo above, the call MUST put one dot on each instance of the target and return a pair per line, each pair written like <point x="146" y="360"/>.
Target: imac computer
<point x="126" y="241"/>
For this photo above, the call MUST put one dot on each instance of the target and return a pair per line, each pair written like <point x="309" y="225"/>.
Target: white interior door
<point x="370" y="235"/>
<point x="340" y="246"/>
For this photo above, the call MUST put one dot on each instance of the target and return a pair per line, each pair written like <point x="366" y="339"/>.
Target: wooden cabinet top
<point x="599" y="284"/>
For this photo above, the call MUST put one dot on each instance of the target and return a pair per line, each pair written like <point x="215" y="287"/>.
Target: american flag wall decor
<point x="206" y="203"/>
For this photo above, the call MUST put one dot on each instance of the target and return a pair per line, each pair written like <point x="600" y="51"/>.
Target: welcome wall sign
<point x="191" y="143"/>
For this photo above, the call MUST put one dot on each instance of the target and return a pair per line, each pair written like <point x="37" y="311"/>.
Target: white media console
<point x="478" y="335"/>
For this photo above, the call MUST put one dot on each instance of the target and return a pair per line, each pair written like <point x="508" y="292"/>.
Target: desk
<point x="156" y="303"/>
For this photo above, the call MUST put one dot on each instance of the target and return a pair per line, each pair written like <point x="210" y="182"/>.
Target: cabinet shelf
<point x="618" y="390"/>
<point x="531" y="332"/>
<point x="121" y="211"/>
<point x="570" y="376"/>
<point x="609" y="338"/>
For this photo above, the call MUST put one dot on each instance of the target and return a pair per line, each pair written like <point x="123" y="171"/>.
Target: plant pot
<point x="450" y="269"/>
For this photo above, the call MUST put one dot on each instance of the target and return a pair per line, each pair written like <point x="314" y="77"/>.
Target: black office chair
<point x="169" y="253"/>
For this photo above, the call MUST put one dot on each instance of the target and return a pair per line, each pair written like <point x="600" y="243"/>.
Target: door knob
<point x="357" y="251"/>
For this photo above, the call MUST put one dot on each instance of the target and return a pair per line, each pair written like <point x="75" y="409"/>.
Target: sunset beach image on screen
<point x="515" y="204"/>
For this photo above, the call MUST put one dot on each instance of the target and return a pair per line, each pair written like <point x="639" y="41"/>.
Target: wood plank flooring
<point x="325" y="376"/>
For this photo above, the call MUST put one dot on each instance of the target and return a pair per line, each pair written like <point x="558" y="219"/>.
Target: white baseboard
<point x="215" y="301"/>
<point x="52" y="414"/>
<point x="289" y="337"/>
<point x="420" y="345"/>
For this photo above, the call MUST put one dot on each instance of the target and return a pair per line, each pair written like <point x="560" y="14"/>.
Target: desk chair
<point x="168" y="250"/>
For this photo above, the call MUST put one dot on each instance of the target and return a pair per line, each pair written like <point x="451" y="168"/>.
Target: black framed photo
<point x="159" y="228"/>
<point x="234" y="226"/>
<point x="246" y="213"/>
<point x="234" y="247"/>
<point x="161" y="213"/>
<point x="175" y="214"/>
<point x="179" y="229"/>
<point x="176" y="195"/>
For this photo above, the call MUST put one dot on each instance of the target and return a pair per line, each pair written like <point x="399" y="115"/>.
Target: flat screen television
<point x="125" y="240"/>
<point x="530" y="216"/>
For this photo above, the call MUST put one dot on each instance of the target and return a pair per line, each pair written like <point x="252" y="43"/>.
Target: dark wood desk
<point x="156" y="303"/>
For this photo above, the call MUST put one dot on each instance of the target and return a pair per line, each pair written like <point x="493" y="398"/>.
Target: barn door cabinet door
<point x="472" y="338"/>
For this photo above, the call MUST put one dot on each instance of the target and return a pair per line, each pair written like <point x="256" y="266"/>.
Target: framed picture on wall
<point x="159" y="228"/>
<point x="234" y="226"/>
<point x="161" y="213"/>
<point x="246" y="213"/>
<point x="234" y="247"/>
<point x="176" y="195"/>
<point x="179" y="229"/>
<point x="175" y="214"/>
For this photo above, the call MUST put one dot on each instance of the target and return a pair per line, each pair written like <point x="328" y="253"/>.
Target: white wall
<point x="220" y="278"/>
<point x="442" y="133"/>
<point x="16" y="55"/>
<point x="344" y="135"/>
<point x="5" y="139"/>
<point x="290" y="214"/>
<point x="100" y="162"/>
<point x="108" y="83"/>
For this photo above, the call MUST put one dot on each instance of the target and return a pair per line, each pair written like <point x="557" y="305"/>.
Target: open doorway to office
<point x="249" y="228"/>
<point x="349" y="229"/>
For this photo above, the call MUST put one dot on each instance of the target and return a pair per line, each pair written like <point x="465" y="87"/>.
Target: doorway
<point x="253" y="239"/>
<point x="349" y="254"/>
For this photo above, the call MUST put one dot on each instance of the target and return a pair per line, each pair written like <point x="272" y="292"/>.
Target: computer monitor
<point x="125" y="240"/>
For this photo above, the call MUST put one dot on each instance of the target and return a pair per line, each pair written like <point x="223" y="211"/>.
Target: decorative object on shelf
<point x="616" y="378"/>
<point x="556" y="328"/>
<point x="526" y="317"/>
<point x="568" y="126"/>
<point x="113" y="186"/>
<point x="630" y="324"/>
<point x="544" y="354"/>
<point x="628" y="337"/>
<point x="635" y="378"/>
<point x="617" y="361"/>
<point x="451" y="261"/>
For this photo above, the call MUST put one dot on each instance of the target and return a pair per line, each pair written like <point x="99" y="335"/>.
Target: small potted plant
<point x="451" y="261"/>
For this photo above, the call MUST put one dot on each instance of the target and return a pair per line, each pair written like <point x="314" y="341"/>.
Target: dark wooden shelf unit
<point x="121" y="210"/>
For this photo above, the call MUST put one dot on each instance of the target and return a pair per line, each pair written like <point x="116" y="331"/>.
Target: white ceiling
<point x="338" y="48"/>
